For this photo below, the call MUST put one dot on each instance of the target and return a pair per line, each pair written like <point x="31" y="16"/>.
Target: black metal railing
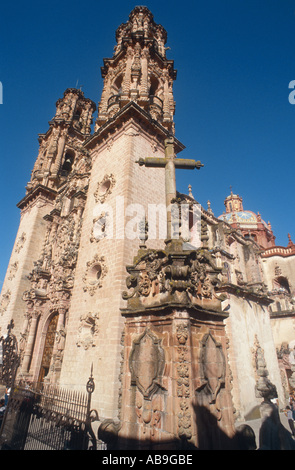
<point x="114" y="99"/>
<point x="156" y="101"/>
<point x="41" y="416"/>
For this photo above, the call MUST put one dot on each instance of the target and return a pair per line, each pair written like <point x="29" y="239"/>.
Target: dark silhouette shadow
<point x="211" y="437"/>
<point x="272" y="434"/>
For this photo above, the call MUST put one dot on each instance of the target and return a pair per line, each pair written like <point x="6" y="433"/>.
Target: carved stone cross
<point x="170" y="163"/>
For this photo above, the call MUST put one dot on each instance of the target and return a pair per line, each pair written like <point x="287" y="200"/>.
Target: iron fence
<point x="48" y="417"/>
<point x="44" y="416"/>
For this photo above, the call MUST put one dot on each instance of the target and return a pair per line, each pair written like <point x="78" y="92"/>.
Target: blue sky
<point x="234" y="58"/>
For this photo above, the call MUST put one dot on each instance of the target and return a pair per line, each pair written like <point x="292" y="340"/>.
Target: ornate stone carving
<point x="52" y="277"/>
<point x="10" y="357"/>
<point x="104" y="188"/>
<point x="183" y="382"/>
<point x="149" y="414"/>
<point x="212" y="367"/>
<point x="146" y="364"/>
<point x="95" y="273"/>
<point x="12" y="271"/>
<point x="88" y="330"/>
<point x="20" y="242"/>
<point x="140" y="73"/>
<point x="184" y="277"/>
<point x="264" y="388"/>
<point x="100" y="227"/>
<point x="60" y="341"/>
<point x="5" y="301"/>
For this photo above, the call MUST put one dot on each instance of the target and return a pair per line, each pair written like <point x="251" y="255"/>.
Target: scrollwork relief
<point x="212" y="367"/>
<point x="183" y="381"/>
<point x="104" y="188"/>
<point x="12" y="271"/>
<point x="4" y="302"/>
<point x="94" y="275"/>
<point x="20" y="242"/>
<point x="88" y="330"/>
<point x="100" y="227"/>
<point x="156" y="272"/>
<point x="146" y="364"/>
<point x="149" y="415"/>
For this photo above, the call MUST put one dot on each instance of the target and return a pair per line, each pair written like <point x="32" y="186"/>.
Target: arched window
<point x="117" y="85"/>
<point x="154" y="86"/>
<point x="116" y="88"/>
<point x="68" y="162"/>
<point x="281" y="284"/>
<point x="77" y="115"/>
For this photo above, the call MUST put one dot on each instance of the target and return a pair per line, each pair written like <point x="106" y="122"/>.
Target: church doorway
<point x="48" y="348"/>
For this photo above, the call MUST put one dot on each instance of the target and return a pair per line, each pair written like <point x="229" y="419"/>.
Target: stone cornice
<point x="130" y="110"/>
<point x="167" y="309"/>
<point x="48" y="193"/>
<point x="245" y="293"/>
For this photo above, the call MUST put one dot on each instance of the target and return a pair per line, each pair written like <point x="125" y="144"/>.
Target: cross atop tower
<point x="170" y="163"/>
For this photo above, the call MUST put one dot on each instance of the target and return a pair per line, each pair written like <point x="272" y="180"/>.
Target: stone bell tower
<point x="135" y="117"/>
<point x="59" y="153"/>
<point x="157" y="349"/>
<point x="139" y="71"/>
<point x="70" y="126"/>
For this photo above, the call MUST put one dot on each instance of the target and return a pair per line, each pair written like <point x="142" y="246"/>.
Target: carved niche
<point x="146" y="362"/>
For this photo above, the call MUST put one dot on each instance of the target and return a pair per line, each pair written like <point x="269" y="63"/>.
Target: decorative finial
<point x="209" y="207"/>
<point x="290" y="241"/>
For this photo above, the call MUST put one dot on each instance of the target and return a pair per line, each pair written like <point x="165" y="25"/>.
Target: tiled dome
<point x="242" y="217"/>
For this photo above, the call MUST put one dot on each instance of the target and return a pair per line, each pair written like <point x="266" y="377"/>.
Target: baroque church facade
<point x="173" y="331"/>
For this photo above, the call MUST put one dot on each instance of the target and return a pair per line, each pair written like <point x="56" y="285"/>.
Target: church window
<point x="77" y="115"/>
<point x="68" y="162"/>
<point x="154" y="86"/>
<point x="117" y="85"/>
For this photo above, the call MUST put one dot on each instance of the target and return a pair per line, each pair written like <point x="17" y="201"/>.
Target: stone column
<point x="58" y="348"/>
<point x="127" y="76"/>
<point x="60" y="151"/>
<point x="144" y="74"/>
<point x="166" y="107"/>
<point x="30" y="343"/>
